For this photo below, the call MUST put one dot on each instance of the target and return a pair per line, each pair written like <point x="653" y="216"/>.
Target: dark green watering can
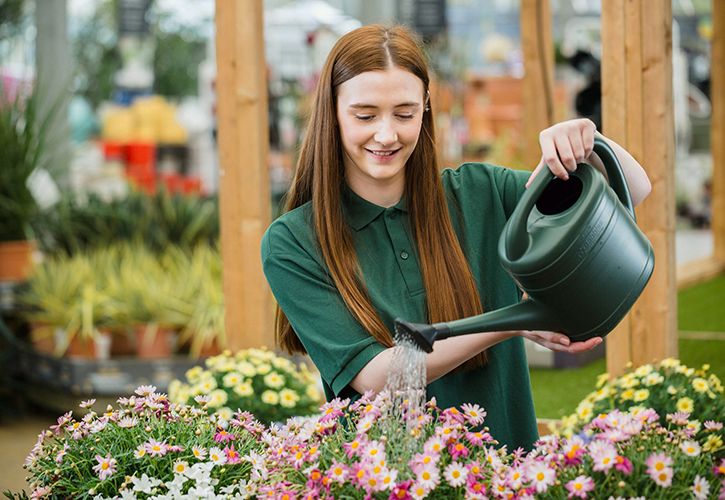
<point x="574" y="247"/>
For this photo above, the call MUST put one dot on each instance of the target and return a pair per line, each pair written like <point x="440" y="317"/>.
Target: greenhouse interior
<point x="226" y="273"/>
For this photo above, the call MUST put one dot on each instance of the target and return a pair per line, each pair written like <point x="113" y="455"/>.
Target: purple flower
<point x="580" y="486"/>
<point x="105" y="467"/>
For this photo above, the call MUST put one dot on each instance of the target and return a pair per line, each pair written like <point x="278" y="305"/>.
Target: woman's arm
<point x="452" y="352"/>
<point x="567" y="143"/>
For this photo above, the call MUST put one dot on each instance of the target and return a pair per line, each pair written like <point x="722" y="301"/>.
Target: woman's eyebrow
<point x="359" y="105"/>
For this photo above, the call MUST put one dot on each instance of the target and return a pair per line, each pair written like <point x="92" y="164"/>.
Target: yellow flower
<point x="174" y="389"/>
<point x="628" y="381"/>
<point x="288" y="398"/>
<point x="643" y="370"/>
<point x="246" y="368"/>
<point x="713" y="443"/>
<point x="672" y="390"/>
<point x="653" y="378"/>
<point x="244" y="389"/>
<point x="231" y="379"/>
<point x="670" y="363"/>
<point x="700" y="385"/>
<point x="602" y="393"/>
<point x="602" y="379"/>
<point x="193" y="375"/>
<point x="312" y="393"/>
<point x="685" y="404"/>
<point x="627" y="395"/>
<point x="225" y="412"/>
<point x="207" y="385"/>
<point x="694" y="426"/>
<point x="226" y="365"/>
<point x="584" y="411"/>
<point x="715" y="383"/>
<point x="219" y="397"/>
<point x="264" y="368"/>
<point x="641" y="395"/>
<point x="274" y="380"/>
<point x="270" y="397"/>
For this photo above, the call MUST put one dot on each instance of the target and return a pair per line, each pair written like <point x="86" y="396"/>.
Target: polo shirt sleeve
<point x="338" y="345"/>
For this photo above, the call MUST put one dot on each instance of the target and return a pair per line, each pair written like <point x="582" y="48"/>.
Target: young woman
<point x="374" y="231"/>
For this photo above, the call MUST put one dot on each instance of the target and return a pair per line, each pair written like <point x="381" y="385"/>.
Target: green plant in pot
<point x="22" y="135"/>
<point x="62" y="297"/>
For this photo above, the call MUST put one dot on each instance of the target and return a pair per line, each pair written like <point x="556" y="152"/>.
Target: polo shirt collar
<point x="359" y="212"/>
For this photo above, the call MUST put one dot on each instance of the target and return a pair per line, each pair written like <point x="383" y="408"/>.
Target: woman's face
<point x="380" y="114"/>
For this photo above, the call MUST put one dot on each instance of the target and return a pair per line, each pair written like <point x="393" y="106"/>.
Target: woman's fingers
<point x="560" y="342"/>
<point x="551" y="156"/>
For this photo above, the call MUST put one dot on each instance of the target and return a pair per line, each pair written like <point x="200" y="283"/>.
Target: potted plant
<point x="62" y="301"/>
<point x="21" y="145"/>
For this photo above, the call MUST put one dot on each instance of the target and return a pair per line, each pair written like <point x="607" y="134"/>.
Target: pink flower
<point x="573" y="451"/>
<point x="657" y="462"/>
<point x="623" y="464"/>
<point x="478" y="438"/>
<point x="232" y="455"/>
<point x="541" y="476"/>
<point x="145" y="390"/>
<point x="711" y="425"/>
<point x="356" y="446"/>
<point x="337" y="472"/>
<point x="61" y="454"/>
<point x="580" y="486"/>
<point x="428" y="477"/>
<point x="223" y="436"/>
<point x="87" y="403"/>
<point x="474" y="413"/>
<point x="62" y="420"/>
<point x="603" y="455"/>
<point x="475" y="488"/>
<point x="105" y="467"/>
<point x="452" y="416"/>
<point x="155" y="448"/>
<point x="333" y="409"/>
<point x="401" y="491"/>
<point x="457" y="449"/>
<point x="719" y="470"/>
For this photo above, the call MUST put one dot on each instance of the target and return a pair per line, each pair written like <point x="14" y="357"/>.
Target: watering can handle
<point x="517" y="237"/>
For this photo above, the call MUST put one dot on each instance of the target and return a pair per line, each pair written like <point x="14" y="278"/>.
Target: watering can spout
<point x="526" y="315"/>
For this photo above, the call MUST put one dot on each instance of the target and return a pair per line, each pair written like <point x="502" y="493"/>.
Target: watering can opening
<point x="559" y="195"/>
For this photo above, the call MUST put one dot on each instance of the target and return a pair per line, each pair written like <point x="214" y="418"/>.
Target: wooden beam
<point x="637" y="113"/>
<point x="717" y="131"/>
<point x="243" y="176"/>
<point x="538" y="82"/>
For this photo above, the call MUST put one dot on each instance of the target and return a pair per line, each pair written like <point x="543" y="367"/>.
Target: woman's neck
<point x="385" y="193"/>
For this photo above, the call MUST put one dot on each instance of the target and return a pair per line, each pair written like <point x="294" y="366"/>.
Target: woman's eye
<point x="364" y="118"/>
<point x="407" y="116"/>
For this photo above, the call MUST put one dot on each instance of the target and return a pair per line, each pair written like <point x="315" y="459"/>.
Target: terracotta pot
<point x="122" y="342"/>
<point x="16" y="260"/>
<point x="96" y="348"/>
<point x="153" y="342"/>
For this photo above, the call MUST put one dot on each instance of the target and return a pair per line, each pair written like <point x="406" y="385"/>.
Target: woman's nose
<point x="386" y="134"/>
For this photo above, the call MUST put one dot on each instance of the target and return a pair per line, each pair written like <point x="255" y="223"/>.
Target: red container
<point x="141" y="159"/>
<point x="192" y="185"/>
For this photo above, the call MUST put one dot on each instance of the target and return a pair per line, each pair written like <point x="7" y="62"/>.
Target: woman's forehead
<point x="393" y="86"/>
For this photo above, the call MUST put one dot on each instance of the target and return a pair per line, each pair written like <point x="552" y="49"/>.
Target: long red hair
<point x="451" y="291"/>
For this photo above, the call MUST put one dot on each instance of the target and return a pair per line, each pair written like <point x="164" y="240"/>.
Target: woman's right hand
<point x="559" y="342"/>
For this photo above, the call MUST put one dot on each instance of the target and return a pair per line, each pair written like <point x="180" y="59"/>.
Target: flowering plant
<point x="359" y="450"/>
<point x="146" y="447"/>
<point x="665" y="387"/>
<point x="256" y="380"/>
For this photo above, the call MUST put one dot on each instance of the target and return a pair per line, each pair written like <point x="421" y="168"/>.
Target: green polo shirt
<point x="481" y="197"/>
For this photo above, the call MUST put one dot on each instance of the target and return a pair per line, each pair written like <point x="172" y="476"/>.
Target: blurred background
<point x="109" y="174"/>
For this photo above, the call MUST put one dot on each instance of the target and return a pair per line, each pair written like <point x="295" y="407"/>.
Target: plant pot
<point x="122" y="342"/>
<point x="153" y="342"/>
<point x="95" y="348"/>
<point x="16" y="259"/>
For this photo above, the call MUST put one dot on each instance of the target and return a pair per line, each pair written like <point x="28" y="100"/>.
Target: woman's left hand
<point x="563" y="146"/>
<point x="560" y="342"/>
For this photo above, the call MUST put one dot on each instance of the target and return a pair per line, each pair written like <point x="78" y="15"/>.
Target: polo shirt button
<point x="404" y="255"/>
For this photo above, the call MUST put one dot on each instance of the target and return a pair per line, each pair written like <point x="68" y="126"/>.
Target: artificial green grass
<point x="702" y="307"/>
<point x="557" y="392"/>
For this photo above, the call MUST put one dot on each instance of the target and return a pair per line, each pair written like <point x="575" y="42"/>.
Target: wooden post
<point x="538" y="82"/>
<point x="243" y="177"/>
<point x="637" y="113"/>
<point x="717" y="131"/>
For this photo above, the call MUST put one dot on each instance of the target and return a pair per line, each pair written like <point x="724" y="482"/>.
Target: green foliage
<point x="155" y="222"/>
<point x="11" y="13"/>
<point x="22" y="134"/>
<point x="176" y="60"/>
